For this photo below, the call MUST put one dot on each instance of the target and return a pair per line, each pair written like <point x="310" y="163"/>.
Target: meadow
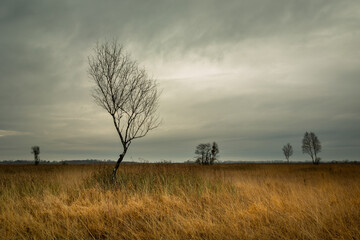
<point x="180" y="201"/>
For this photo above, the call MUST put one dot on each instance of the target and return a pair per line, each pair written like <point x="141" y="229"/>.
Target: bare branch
<point x="125" y="91"/>
<point x="312" y="146"/>
<point x="288" y="151"/>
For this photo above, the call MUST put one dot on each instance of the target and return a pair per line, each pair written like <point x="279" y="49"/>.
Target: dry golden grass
<point x="149" y="201"/>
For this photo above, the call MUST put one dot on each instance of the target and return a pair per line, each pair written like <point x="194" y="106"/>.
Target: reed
<point x="180" y="201"/>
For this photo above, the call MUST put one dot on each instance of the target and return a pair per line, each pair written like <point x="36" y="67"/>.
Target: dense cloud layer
<point x="252" y="75"/>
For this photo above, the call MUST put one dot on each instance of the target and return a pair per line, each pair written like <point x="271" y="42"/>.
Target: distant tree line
<point x="208" y="153"/>
<point x="310" y="145"/>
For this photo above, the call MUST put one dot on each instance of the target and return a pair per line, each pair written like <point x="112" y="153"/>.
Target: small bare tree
<point x="203" y="151"/>
<point x="214" y="152"/>
<point x="207" y="154"/>
<point x="312" y="146"/>
<point x="126" y="92"/>
<point x="288" y="151"/>
<point x="36" y="151"/>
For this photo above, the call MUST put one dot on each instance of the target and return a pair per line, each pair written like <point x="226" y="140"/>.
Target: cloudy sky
<point x="249" y="74"/>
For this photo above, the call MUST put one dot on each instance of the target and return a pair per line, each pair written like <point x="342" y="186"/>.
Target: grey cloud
<point x="251" y="75"/>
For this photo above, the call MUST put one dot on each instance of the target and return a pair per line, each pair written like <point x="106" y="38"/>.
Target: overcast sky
<point x="251" y="75"/>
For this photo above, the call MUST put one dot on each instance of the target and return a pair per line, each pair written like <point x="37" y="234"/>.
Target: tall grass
<point x="160" y="179"/>
<point x="169" y="201"/>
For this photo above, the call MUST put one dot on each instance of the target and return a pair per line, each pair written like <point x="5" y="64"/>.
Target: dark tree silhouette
<point x="312" y="146"/>
<point x="288" y="151"/>
<point x="207" y="154"/>
<point x="36" y="151"/>
<point x="126" y="92"/>
<point x="214" y="153"/>
<point x="203" y="152"/>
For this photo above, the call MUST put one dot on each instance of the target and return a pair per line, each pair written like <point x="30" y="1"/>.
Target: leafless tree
<point x="312" y="146"/>
<point x="36" y="151"/>
<point x="125" y="91"/>
<point x="214" y="152"/>
<point x="288" y="151"/>
<point x="207" y="154"/>
<point x="203" y="152"/>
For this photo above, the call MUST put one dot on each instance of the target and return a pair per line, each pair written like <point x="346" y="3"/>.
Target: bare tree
<point x="207" y="154"/>
<point x="36" y="151"/>
<point x="214" y="153"/>
<point x="312" y="146"/>
<point x="126" y="92"/>
<point x="288" y="151"/>
<point x="203" y="152"/>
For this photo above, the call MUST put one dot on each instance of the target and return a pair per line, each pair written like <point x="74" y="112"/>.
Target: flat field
<point x="179" y="201"/>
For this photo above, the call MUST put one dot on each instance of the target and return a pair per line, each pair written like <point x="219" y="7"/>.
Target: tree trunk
<point x="121" y="157"/>
<point x="36" y="160"/>
<point x="316" y="160"/>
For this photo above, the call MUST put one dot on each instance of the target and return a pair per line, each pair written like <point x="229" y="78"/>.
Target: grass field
<point x="178" y="201"/>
